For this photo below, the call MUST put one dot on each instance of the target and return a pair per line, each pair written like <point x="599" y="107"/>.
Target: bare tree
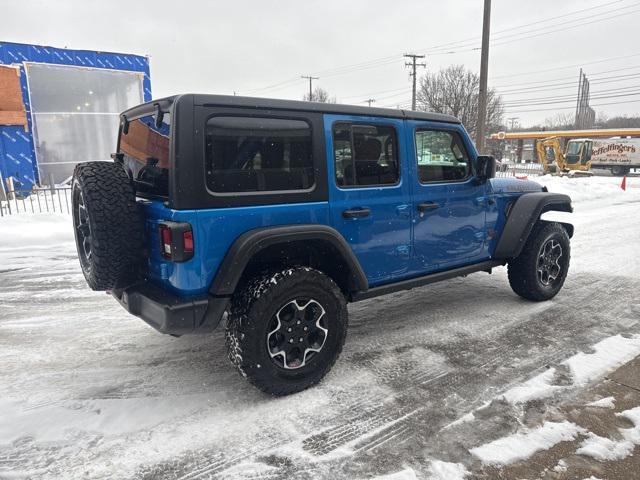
<point x="560" y="121"/>
<point x="319" y="95"/>
<point x="618" y="121"/>
<point x="454" y="90"/>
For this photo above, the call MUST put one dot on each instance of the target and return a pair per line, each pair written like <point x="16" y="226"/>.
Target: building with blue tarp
<point x="59" y="107"/>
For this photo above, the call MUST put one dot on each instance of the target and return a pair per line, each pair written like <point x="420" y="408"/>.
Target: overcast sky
<point x="246" y="45"/>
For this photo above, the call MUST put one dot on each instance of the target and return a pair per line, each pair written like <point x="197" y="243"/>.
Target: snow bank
<point x="609" y="354"/>
<point x="522" y="445"/>
<point x="583" y="189"/>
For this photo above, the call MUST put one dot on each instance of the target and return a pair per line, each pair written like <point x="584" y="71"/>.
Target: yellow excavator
<point x="577" y="157"/>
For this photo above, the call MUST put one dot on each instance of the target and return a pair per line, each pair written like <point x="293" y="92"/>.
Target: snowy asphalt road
<point x="89" y="391"/>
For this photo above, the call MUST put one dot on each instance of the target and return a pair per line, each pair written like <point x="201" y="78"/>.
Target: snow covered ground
<point x="91" y="392"/>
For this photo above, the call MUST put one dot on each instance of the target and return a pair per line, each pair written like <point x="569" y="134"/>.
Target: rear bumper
<point x="168" y="313"/>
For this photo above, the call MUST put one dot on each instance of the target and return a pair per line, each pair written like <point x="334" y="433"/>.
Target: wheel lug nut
<point x="289" y="329"/>
<point x="305" y="329"/>
<point x="300" y="339"/>
<point x="298" y="322"/>
<point x="291" y="340"/>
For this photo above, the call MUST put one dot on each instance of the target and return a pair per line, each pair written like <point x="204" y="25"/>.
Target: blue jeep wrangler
<point x="278" y="213"/>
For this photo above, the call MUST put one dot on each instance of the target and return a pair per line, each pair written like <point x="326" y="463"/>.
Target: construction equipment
<point x="619" y="155"/>
<point x="553" y="160"/>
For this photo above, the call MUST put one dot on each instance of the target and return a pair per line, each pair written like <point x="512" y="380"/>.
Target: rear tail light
<point x="176" y="241"/>
<point x="187" y="240"/>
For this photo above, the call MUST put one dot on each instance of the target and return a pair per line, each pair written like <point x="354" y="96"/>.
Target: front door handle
<point x="423" y="207"/>
<point x="356" y="213"/>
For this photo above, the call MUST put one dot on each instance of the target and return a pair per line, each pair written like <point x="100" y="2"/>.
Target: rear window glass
<point x="256" y="154"/>
<point x="365" y="155"/>
<point x="145" y="148"/>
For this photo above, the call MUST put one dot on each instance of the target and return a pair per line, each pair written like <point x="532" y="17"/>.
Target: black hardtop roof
<point x="275" y="104"/>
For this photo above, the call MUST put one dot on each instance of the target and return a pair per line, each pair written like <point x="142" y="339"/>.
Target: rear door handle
<point x="356" y="213"/>
<point x="423" y="207"/>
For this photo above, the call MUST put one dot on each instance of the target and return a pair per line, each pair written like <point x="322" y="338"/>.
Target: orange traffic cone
<point x="623" y="185"/>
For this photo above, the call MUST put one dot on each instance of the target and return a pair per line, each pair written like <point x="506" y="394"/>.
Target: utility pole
<point x="413" y="66"/>
<point x="311" y="79"/>
<point x="484" y="67"/>
<point x="512" y="121"/>
<point x="370" y="101"/>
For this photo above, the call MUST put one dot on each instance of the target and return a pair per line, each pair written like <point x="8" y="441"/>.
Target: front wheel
<point x="540" y="270"/>
<point x="286" y="330"/>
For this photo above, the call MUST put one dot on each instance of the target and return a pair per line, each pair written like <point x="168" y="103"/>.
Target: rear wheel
<point x="539" y="272"/>
<point x="107" y="225"/>
<point x="286" y="330"/>
<point x="619" y="170"/>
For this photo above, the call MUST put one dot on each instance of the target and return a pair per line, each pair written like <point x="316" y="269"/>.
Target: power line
<point x="374" y="93"/>
<point x="560" y="97"/>
<point x="529" y="101"/>
<point x="605" y="60"/>
<point x="384" y="61"/>
<point x="499" y="40"/>
<point x="518" y="27"/>
<point x="551" y="80"/>
<point x="387" y="60"/>
<point x="566" y="86"/>
<point x="572" y="107"/>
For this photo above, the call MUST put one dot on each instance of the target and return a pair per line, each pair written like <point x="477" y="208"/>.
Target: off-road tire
<point x="523" y="270"/>
<point x="257" y="303"/>
<point x="114" y="223"/>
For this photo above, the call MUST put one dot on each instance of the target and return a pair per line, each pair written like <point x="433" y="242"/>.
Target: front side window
<point x="441" y="157"/>
<point x="255" y="154"/>
<point x="365" y="155"/>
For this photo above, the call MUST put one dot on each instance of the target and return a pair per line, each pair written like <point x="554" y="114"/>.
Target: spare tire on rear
<point x="107" y="224"/>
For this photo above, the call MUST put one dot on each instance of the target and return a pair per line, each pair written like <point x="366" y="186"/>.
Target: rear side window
<point x="441" y="157"/>
<point x="255" y="154"/>
<point x="365" y="155"/>
<point x="145" y="151"/>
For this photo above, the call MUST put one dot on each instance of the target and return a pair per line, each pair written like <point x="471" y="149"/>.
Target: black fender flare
<point x="523" y="215"/>
<point x="252" y="242"/>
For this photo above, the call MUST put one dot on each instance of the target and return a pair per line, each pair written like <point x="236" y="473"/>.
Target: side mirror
<point x="485" y="168"/>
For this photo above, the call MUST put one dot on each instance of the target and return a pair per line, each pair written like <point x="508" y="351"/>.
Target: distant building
<point x="59" y="107"/>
